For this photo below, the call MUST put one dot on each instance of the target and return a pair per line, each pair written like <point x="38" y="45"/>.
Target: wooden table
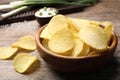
<point x="106" y="10"/>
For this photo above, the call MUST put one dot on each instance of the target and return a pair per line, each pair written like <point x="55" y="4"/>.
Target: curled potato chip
<point x="56" y="23"/>
<point x="7" y="52"/>
<point x="80" y="23"/>
<point x="45" y="33"/>
<point x="108" y="29"/>
<point x="80" y="49"/>
<point x="95" y="23"/>
<point x="72" y="28"/>
<point x="23" y="61"/>
<point x="15" y="44"/>
<point x="85" y="51"/>
<point x="45" y="43"/>
<point x="26" y="42"/>
<point x="25" y="37"/>
<point x="94" y="36"/>
<point x="62" y="41"/>
<point x="107" y="23"/>
<point x="77" y="48"/>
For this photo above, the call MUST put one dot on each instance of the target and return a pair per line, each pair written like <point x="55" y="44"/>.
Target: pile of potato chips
<point x="22" y="61"/>
<point x="76" y="37"/>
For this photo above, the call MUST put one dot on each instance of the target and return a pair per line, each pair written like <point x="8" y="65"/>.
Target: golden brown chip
<point x="23" y="61"/>
<point x="94" y="36"/>
<point x="45" y="43"/>
<point x="95" y="23"/>
<point x="72" y="28"/>
<point x="26" y="42"/>
<point x="7" y="52"/>
<point x="108" y="23"/>
<point x="108" y="29"/>
<point x="80" y="23"/>
<point x="62" y="41"/>
<point x="56" y="23"/>
<point x="25" y="37"/>
<point x="15" y="44"/>
<point x="78" y="48"/>
<point x="85" y="50"/>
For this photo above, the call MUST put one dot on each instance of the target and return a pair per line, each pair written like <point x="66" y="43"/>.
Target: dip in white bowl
<point x="46" y="12"/>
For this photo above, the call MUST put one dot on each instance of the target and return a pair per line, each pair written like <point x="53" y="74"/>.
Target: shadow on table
<point x="109" y="72"/>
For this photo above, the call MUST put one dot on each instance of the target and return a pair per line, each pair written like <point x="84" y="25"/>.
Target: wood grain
<point x="106" y="10"/>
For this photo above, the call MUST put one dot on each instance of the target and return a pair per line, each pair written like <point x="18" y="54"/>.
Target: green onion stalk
<point x="18" y="6"/>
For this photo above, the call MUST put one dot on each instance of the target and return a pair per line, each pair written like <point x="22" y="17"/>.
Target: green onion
<point x="20" y="5"/>
<point x="40" y="14"/>
<point x="49" y="14"/>
<point x="45" y="8"/>
<point x="3" y="7"/>
<point x="13" y="12"/>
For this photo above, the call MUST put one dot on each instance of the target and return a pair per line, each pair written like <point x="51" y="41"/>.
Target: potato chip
<point x="45" y="43"/>
<point x="100" y="31"/>
<point x="107" y="23"/>
<point x="23" y="61"/>
<point x="56" y="23"/>
<point x="72" y="28"/>
<point x="62" y="41"/>
<point x="25" y="37"/>
<point x="85" y="50"/>
<point x="94" y="53"/>
<point x="94" y="36"/>
<point x="95" y="23"/>
<point x="80" y="23"/>
<point x="7" y="52"/>
<point x="26" y="42"/>
<point x="15" y="44"/>
<point x="77" y="48"/>
<point x="45" y="33"/>
<point x="108" y="31"/>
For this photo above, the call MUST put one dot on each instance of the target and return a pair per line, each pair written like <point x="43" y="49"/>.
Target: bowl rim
<point x="38" y="42"/>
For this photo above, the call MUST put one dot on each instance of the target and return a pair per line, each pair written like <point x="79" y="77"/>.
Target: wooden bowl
<point x="75" y="64"/>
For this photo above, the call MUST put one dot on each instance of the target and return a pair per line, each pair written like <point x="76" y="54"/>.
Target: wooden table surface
<point x="106" y="10"/>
